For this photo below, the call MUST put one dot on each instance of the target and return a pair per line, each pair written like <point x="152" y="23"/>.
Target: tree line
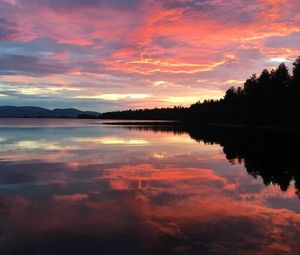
<point x="269" y="98"/>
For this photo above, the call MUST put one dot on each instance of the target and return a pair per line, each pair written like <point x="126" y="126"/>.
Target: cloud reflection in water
<point x="165" y="195"/>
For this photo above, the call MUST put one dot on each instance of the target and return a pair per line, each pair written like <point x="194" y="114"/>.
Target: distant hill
<point x="39" y="112"/>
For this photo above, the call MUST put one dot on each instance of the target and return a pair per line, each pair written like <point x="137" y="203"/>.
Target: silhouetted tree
<point x="272" y="98"/>
<point x="295" y="92"/>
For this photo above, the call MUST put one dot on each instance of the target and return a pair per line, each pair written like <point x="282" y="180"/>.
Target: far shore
<point x="286" y="127"/>
<point x="186" y="124"/>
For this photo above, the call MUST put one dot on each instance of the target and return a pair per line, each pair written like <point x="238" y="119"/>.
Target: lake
<point x="81" y="187"/>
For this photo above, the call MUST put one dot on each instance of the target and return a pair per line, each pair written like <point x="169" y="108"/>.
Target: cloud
<point x="222" y="10"/>
<point x="286" y="41"/>
<point x="11" y="64"/>
<point x="93" y="3"/>
<point x="124" y="47"/>
<point x="7" y="29"/>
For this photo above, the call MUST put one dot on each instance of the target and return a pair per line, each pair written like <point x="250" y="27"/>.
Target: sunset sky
<point x="117" y="54"/>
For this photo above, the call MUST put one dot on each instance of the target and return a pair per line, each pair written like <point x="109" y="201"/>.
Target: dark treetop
<point x="267" y="99"/>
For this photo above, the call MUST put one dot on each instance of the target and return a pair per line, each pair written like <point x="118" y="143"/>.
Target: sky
<point x="117" y="54"/>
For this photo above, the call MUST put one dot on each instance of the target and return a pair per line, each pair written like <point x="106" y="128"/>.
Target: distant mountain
<point x="39" y="112"/>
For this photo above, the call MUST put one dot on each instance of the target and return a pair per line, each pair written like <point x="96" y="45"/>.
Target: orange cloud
<point x="121" y="47"/>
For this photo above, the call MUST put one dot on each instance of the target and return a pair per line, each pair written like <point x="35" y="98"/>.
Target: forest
<point x="266" y="99"/>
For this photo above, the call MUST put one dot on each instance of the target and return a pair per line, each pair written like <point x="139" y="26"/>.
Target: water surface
<point x="80" y="187"/>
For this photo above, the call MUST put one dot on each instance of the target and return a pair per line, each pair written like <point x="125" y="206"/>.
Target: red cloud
<point x="179" y="42"/>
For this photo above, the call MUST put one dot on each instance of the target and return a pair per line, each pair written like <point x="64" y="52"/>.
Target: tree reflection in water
<point x="271" y="154"/>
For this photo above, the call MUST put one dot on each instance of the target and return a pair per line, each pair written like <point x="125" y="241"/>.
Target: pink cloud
<point x="140" y="42"/>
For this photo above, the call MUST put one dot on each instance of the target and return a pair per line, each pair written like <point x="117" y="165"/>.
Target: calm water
<point x="79" y="187"/>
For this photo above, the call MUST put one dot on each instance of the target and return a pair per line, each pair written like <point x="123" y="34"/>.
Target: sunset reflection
<point x="171" y="196"/>
<point x="111" y="140"/>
